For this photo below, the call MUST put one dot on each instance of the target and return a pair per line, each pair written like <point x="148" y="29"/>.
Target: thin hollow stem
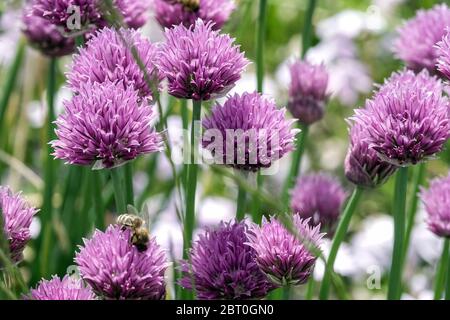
<point x="119" y="193"/>
<point x="189" y="223"/>
<point x="286" y="292"/>
<point x="240" y="208"/>
<point x="98" y="200"/>
<point x="310" y="288"/>
<point x="441" y="272"/>
<point x="395" y="277"/>
<point x="49" y="174"/>
<point x="129" y="183"/>
<point x="447" y="281"/>
<point x="295" y="164"/>
<point x="419" y="174"/>
<point x="339" y="236"/>
<point x="260" y="39"/>
<point x="185" y="120"/>
<point x="307" y="28"/>
<point x="10" y="80"/>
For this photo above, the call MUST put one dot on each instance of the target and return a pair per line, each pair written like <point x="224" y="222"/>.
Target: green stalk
<point x="447" y="287"/>
<point x="307" y="28"/>
<point x="260" y="41"/>
<point x="295" y="164"/>
<point x="189" y="223"/>
<point x="49" y="175"/>
<point x="10" y="81"/>
<point x="395" y="277"/>
<point x="339" y="236"/>
<point x="286" y="292"/>
<point x="185" y="120"/>
<point x="129" y="183"/>
<point x="98" y="200"/>
<point x="240" y="208"/>
<point x="441" y="272"/>
<point x="310" y="288"/>
<point x="419" y="174"/>
<point x="119" y="194"/>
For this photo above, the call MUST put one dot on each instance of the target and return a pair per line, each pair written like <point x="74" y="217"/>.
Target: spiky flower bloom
<point x="105" y="125"/>
<point x="307" y="91"/>
<point x="174" y="12"/>
<point x="248" y="132"/>
<point x="437" y="203"/>
<point x="67" y="288"/>
<point x="362" y="165"/>
<point x="107" y="58"/>
<point x="318" y="196"/>
<point x="116" y="269"/>
<point x="45" y="36"/>
<point x="222" y="266"/>
<point x="418" y="36"/>
<point x="407" y="120"/>
<point x="17" y="217"/>
<point x="443" y="50"/>
<point x="200" y="63"/>
<point x="75" y="16"/>
<point x="287" y="257"/>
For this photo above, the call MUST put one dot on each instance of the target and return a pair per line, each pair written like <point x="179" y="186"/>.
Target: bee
<point x="192" y="5"/>
<point x="140" y="235"/>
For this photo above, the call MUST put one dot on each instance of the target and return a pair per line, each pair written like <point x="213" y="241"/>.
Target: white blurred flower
<point x="214" y="210"/>
<point x="351" y="23"/>
<point x="344" y="264"/>
<point x="10" y="23"/>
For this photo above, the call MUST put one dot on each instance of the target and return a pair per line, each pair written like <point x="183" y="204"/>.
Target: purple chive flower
<point x="318" y="196"/>
<point x="437" y="203"/>
<point x="443" y="49"/>
<point x="69" y="15"/>
<point x="107" y="58"/>
<point x="116" y="269"/>
<point x="45" y="36"/>
<point x="63" y="13"/>
<point x="200" y="63"/>
<point x="418" y="36"/>
<point x="105" y="125"/>
<point x="253" y="121"/>
<point x="223" y="266"/>
<point x="285" y="257"/>
<point x="66" y="288"/>
<point x="407" y="120"/>
<point x="175" y="12"/>
<point x="307" y="91"/>
<point x="362" y="165"/>
<point x="17" y="217"/>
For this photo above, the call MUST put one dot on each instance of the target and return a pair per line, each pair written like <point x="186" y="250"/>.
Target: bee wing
<point x="145" y="215"/>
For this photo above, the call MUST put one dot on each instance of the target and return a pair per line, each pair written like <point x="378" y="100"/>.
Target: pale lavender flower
<point x="107" y="58"/>
<point x="175" y="12"/>
<point x="134" y="12"/>
<point x="222" y="266"/>
<point x="318" y="196"/>
<point x="251" y="132"/>
<point x="17" y="216"/>
<point x="407" y="120"/>
<point x="307" y="91"/>
<point x="105" y="125"/>
<point x="287" y="258"/>
<point x="45" y="36"/>
<point x="67" y="288"/>
<point x="116" y="269"/>
<point x="437" y="204"/>
<point x="443" y="50"/>
<point x="418" y="36"/>
<point x="200" y="63"/>
<point x="362" y="165"/>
